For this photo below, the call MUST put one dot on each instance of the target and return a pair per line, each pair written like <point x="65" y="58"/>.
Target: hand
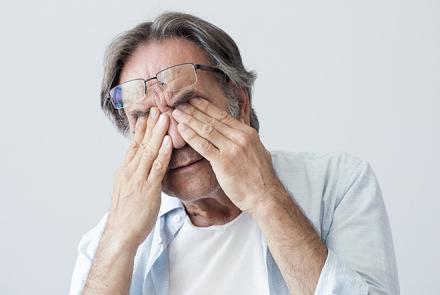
<point x="137" y="187"/>
<point x="241" y="163"/>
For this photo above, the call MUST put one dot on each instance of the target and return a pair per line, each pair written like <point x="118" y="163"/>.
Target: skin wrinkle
<point x="180" y="99"/>
<point x="130" y="72"/>
<point x="220" y="49"/>
<point x="197" y="188"/>
<point x="243" y="168"/>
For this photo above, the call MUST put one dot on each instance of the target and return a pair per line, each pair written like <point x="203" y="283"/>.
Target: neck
<point x="215" y="210"/>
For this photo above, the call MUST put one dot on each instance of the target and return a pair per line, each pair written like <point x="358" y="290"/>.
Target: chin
<point x="192" y="183"/>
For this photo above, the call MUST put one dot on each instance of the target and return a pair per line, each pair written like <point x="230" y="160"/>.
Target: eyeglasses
<point x="174" y="78"/>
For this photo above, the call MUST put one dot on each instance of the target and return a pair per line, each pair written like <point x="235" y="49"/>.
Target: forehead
<point x="148" y="59"/>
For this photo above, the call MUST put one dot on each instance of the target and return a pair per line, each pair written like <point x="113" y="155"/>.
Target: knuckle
<point x="207" y="129"/>
<point x="134" y="145"/>
<point x="234" y="151"/>
<point x="205" y="145"/>
<point x="189" y="120"/>
<point x="148" y="151"/>
<point x="202" y="105"/>
<point x="213" y="122"/>
<point x="252" y="132"/>
<point x="191" y="136"/>
<point x="224" y="116"/>
<point x="247" y="137"/>
<point x="158" y="164"/>
<point x="137" y="183"/>
<point x="124" y="176"/>
<point x="242" y="141"/>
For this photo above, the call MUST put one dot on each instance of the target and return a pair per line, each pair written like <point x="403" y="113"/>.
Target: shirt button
<point x="177" y="218"/>
<point x="159" y="240"/>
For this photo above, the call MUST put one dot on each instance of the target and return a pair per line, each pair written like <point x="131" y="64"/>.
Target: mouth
<point x="185" y="164"/>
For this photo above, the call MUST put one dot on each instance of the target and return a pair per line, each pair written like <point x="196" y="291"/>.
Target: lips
<point x="185" y="163"/>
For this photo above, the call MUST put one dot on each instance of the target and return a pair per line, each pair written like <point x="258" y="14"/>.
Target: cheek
<point x="133" y="112"/>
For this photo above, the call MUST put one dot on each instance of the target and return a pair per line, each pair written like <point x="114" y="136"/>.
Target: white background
<point x="355" y="76"/>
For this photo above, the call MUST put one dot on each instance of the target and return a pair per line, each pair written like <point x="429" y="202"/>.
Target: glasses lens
<point x="127" y="93"/>
<point x="178" y="77"/>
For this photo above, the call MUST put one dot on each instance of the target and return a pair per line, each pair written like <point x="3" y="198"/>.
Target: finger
<point x="204" y="118"/>
<point x="198" y="143"/>
<point x="213" y="111"/>
<point x="160" y="164"/>
<point x="151" y="122"/>
<point x="234" y="135"/>
<point x="151" y="148"/>
<point x="204" y="129"/>
<point x="139" y="131"/>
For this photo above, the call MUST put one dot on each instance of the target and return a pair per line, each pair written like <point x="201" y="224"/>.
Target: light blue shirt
<point x="339" y="194"/>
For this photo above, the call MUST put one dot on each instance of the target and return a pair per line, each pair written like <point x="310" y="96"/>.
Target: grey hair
<point x="216" y="44"/>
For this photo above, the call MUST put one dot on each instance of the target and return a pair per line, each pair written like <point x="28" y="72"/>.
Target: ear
<point x="243" y="100"/>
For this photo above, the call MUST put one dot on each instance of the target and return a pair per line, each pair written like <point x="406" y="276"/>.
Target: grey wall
<point x="357" y="76"/>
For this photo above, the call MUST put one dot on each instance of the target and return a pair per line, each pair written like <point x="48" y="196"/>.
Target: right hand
<point x="137" y="187"/>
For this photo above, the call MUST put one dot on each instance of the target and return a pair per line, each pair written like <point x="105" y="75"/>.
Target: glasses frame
<point x="203" y="67"/>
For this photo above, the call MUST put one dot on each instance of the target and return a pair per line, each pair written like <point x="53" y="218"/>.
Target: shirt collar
<point x="168" y="203"/>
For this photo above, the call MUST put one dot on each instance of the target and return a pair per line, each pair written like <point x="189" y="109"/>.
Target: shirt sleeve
<point x="86" y="251"/>
<point x="360" y="256"/>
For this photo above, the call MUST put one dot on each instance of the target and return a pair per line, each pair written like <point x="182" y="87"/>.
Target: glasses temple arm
<point x="211" y="69"/>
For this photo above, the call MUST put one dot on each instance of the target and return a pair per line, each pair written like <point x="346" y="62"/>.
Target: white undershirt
<point x="219" y="259"/>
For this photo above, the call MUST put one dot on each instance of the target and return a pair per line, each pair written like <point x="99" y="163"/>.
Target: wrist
<point x="268" y="203"/>
<point x="115" y="242"/>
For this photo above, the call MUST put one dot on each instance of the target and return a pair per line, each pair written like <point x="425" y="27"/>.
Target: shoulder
<point x="317" y="157"/>
<point x="337" y="162"/>
<point x="318" y="176"/>
<point x="319" y="182"/>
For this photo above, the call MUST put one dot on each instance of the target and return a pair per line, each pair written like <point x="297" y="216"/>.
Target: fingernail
<point x="166" y="141"/>
<point x="162" y="119"/>
<point x="194" y="100"/>
<point x="153" y="112"/>
<point x="177" y="113"/>
<point x="183" y="106"/>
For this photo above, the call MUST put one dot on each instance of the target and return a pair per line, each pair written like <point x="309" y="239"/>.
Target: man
<point x="199" y="206"/>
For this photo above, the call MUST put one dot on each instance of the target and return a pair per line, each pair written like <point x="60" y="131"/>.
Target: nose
<point x="176" y="138"/>
<point x="164" y="104"/>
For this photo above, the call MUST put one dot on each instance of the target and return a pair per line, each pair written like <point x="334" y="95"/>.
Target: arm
<point x="136" y="192"/>
<point x="295" y="246"/>
<point x="235" y="152"/>
<point x="112" y="267"/>
<point x="359" y="255"/>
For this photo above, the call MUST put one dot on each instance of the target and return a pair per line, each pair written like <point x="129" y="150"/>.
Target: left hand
<point x="241" y="163"/>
